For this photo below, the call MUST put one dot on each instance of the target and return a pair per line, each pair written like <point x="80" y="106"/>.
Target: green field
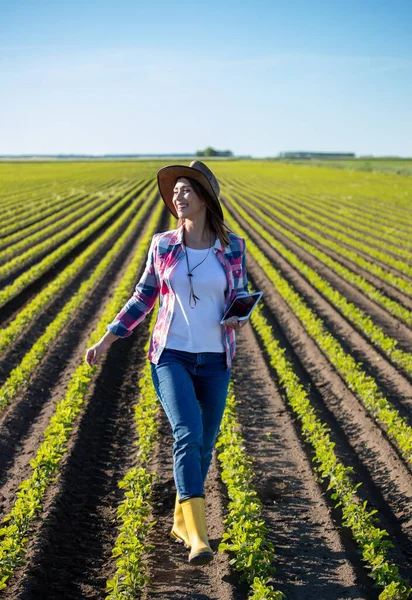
<point x="313" y="464"/>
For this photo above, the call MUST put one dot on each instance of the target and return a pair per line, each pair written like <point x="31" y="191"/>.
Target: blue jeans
<point x="192" y="388"/>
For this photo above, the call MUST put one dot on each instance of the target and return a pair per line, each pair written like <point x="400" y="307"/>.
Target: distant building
<point x="317" y="155"/>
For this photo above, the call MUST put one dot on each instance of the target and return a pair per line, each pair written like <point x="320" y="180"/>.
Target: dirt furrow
<point x="71" y="554"/>
<point x="12" y="357"/>
<point x="360" y="443"/>
<point x="388" y="289"/>
<point x="390" y="324"/>
<point x="395" y="385"/>
<point x="172" y="576"/>
<point x="24" y="420"/>
<point x="307" y="221"/>
<point x="370" y="238"/>
<point x="31" y="290"/>
<point x="313" y="558"/>
<point x="387" y="481"/>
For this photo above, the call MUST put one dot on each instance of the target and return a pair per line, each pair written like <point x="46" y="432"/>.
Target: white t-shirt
<point x="198" y="329"/>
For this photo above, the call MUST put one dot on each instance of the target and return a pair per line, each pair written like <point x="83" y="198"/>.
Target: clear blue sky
<point x="159" y="76"/>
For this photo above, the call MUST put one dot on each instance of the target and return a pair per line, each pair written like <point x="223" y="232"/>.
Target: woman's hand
<point x="94" y="352"/>
<point x="234" y="323"/>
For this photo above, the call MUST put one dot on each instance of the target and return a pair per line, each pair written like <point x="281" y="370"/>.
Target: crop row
<point x="46" y="463"/>
<point x="44" y="265"/>
<point x="352" y="197"/>
<point x="385" y="199"/>
<point x="20" y="376"/>
<point x="344" y="233"/>
<point x="24" y="204"/>
<point x="26" y="188"/>
<point x="355" y="514"/>
<point x="245" y="531"/>
<point x="392" y="306"/>
<point x="18" y="221"/>
<point x="348" y="194"/>
<point x="371" y="267"/>
<point x="58" y="284"/>
<point x="134" y="513"/>
<point x="60" y="220"/>
<point x="29" y="210"/>
<point x="34" y="187"/>
<point x="354" y="314"/>
<point x="81" y="222"/>
<point x="23" y="230"/>
<point x="330" y="215"/>
<point x="364" y="386"/>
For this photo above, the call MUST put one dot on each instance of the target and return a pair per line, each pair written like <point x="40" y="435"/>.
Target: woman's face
<point x="185" y="200"/>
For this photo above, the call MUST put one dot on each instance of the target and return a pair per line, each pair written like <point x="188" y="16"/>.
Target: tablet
<point x="242" y="307"/>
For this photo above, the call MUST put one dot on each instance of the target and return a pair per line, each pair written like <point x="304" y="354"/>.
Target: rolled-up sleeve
<point x="142" y="301"/>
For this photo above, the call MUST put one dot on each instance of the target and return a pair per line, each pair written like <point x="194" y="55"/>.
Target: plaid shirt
<point x="166" y="249"/>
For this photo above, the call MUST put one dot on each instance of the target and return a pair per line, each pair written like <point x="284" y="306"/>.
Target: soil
<point x="69" y="552"/>
<point x="383" y="286"/>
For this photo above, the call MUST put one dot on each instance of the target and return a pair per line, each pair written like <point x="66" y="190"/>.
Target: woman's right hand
<point x="94" y="352"/>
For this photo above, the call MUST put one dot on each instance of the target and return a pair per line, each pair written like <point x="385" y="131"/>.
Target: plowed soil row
<point x="172" y="576"/>
<point x="71" y="556"/>
<point x="33" y="288"/>
<point x="73" y="541"/>
<point x="12" y="357"/>
<point x="379" y="211"/>
<point x="386" y="479"/>
<point x="24" y="420"/>
<point x="395" y="385"/>
<point x="371" y="239"/>
<point x="390" y="324"/>
<point x="315" y="557"/>
<point x="388" y="289"/>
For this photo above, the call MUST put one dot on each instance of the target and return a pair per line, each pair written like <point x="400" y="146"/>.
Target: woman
<point x="196" y="270"/>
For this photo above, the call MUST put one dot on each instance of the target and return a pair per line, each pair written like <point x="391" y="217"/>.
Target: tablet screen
<point x="241" y="307"/>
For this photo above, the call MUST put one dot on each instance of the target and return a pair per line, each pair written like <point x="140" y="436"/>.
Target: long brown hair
<point x="213" y="220"/>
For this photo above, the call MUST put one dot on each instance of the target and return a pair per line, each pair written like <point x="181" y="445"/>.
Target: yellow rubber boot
<point x="179" y="531"/>
<point x="195" y="519"/>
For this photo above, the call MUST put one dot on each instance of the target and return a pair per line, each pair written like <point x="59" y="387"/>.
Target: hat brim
<point x="166" y="178"/>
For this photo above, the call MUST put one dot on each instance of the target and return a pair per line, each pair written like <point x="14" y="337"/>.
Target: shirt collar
<point x="177" y="238"/>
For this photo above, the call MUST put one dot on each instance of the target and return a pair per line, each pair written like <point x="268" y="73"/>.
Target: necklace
<point x="192" y="295"/>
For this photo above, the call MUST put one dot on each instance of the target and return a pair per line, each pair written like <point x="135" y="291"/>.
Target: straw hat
<point x="166" y="179"/>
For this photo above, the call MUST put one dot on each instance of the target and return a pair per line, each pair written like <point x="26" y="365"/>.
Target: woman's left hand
<point x="234" y="323"/>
